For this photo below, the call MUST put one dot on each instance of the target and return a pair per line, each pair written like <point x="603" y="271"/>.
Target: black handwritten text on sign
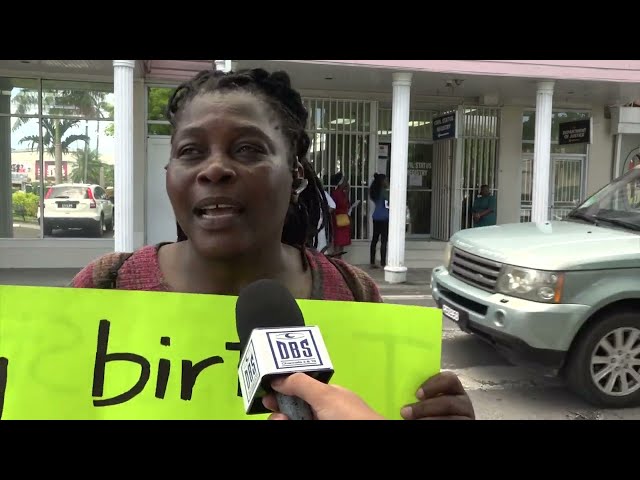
<point x="4" y="370"/>
<point x="190" y="371"/>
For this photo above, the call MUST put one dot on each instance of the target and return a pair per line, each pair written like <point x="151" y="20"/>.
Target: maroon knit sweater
<point x="141" y="271"/>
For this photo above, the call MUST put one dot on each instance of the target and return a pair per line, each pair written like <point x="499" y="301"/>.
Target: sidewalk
<point x="38" y="277"/>
<point x="418" y="279"/>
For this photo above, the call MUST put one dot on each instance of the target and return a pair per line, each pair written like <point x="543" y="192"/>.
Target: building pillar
<point x="6" y="198"/>
<point x="542" y="153"/>
<point x="123" y="143"/>
<point x="226" y="65"/>
<point x="395" y="270"/>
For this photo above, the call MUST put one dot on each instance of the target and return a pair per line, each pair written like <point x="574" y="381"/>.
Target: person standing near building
<point x="341" y="219"/>
<point x="323" y="230"/>
<point x="484" y="208"/>
<point x="379" y="193"/>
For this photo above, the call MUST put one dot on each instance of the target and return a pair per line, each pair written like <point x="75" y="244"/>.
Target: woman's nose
<point x="216" y="169"/>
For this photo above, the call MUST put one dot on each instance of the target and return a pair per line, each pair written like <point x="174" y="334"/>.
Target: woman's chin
<point x="220" y="247"/>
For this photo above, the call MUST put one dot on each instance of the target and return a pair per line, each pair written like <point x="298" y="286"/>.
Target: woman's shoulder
<point x="342" y="281"/>
<point x="137" y="270"/>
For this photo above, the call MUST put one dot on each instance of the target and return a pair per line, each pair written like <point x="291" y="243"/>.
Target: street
<point x="498" y="389"/>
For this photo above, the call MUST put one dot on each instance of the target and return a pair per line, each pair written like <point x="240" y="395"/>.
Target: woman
<point x="380" y="195"/>
<point x="246" y="200"/>
<point x="341" y="219"/>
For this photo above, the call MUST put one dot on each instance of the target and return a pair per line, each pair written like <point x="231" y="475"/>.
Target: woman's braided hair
<point x="301" y="223"/>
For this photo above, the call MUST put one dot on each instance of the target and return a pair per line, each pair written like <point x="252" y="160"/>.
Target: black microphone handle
<point x="293" y="407"/>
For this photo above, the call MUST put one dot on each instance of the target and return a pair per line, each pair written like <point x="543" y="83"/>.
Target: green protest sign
<point x="107" y="354"/>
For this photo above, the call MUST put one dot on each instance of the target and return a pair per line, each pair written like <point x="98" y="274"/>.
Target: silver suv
<point x="563" y="294"/>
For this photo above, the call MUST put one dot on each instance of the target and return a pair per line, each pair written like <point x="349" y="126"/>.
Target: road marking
<point x="407" y="297"/>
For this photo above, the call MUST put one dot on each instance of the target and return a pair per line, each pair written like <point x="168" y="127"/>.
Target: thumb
<point x="300" y="385"/>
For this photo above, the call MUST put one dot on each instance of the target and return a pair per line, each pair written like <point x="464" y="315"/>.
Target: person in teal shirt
<point x="484" y="208"/>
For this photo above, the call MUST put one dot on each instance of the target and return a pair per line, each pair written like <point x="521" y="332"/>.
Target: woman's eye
<point x="189" y="150"/>
<point x="253" y="149"/>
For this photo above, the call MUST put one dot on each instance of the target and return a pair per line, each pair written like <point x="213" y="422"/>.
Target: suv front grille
<point x="477" y="271"/>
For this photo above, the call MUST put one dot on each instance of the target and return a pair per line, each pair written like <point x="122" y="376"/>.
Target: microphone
<point x="274" y="341"/>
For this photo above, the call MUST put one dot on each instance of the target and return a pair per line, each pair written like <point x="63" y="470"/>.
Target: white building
<point x="365" y="116"/>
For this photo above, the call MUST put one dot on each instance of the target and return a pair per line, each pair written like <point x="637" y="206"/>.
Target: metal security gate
<point x="479" y="137"/>
<point x="340" y="132"/>
<point x="566" y="185"/>
<point x="443" y="155"/>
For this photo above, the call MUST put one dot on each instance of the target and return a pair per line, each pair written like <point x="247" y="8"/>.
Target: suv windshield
<point x="63" y="191"/>
<point x="617" y="204"/>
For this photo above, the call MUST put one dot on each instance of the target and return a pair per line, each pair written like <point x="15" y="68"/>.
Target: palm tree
<point x="80" y="102"/>
<point x="93" y="166"/>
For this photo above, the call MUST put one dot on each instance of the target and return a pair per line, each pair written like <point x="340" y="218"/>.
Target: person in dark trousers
<point x="484" y="208"/>
<point x="379" y="193"/>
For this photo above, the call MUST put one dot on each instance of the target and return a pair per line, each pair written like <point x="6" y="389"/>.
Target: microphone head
<point x="265" y="304"/>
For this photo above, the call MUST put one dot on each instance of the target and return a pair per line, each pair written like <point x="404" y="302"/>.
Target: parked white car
<point x="77" y="205"/>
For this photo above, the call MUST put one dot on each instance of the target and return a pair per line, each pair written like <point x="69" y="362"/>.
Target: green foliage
<point x="25" y="204"/>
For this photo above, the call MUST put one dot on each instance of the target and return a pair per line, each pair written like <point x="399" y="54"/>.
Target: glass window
<point x="419" y="123"/>
<point x="18" y="96"/>
<point x="157" y="101"/>
<point x="528" y="131"/>
<point x="90" y="100"/>
<point x="158" y="129"/>
<point x="19" y="190"/>
<point x="44" y="156"/>
<point x="566" y="182"/>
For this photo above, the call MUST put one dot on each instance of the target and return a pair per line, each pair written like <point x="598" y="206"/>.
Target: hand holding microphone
<point x="285" y="368"/>
<point x="327" y="402"/>
<point x="275" y="342"/>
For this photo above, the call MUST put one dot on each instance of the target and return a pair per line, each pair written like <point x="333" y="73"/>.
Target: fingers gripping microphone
<point x="274" y="341"/>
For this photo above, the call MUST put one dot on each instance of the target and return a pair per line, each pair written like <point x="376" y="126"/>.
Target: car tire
<point x="98" y="230"/>
<point x="603" y="361"/>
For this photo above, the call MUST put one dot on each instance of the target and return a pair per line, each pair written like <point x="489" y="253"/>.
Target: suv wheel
<point x="99" y="228"/>
<point x="604" y="364"/>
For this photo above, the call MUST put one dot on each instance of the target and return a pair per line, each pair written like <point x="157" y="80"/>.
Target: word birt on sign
<point x="188" y="378"/>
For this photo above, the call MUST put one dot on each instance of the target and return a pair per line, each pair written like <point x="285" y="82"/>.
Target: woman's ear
<point x="298" y="171"/>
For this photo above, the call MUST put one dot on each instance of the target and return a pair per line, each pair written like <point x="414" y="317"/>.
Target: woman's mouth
<point x="216" y="214"/>
<point x="216" y="211"/>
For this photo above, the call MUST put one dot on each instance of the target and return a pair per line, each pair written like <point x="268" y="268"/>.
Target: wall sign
<point x="444" y="127"/>
<point x="578" y="131"/>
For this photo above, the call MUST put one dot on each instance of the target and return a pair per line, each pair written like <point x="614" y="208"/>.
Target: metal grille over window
<point x="480" y="134"/>
<point x="340" y="134"/>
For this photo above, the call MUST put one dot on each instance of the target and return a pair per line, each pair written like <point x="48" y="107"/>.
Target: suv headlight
<point x="529" y="284"/>
<point x="447" y="255"/>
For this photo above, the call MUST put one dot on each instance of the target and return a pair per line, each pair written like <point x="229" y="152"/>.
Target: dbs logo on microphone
<point x="295" y="348"/>
<point x="250" y="370"/>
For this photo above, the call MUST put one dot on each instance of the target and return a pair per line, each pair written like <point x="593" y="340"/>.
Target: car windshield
<point x="62" y="191"/>
<point x="616" y="205"/>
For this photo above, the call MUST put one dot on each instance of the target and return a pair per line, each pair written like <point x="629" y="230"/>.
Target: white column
<point x="123" y="143"/>
<point x="226" y="65"/>
<point x="395" y="271"/>
<point x="542" y="153"/>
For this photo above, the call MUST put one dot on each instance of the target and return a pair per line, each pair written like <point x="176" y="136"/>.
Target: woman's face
<point x="229" y="179"/>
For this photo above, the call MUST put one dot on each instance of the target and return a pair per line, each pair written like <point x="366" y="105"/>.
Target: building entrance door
<point x="419" y="189"/>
